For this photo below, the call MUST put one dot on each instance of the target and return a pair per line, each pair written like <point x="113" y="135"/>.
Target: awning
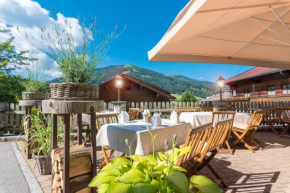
<point x="245" y="32"/>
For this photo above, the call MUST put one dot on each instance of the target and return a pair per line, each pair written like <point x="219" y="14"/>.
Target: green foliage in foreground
<point x="151" y="174"/>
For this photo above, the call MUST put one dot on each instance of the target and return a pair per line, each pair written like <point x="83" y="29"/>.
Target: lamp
<point x="220" y="83"/>
<point x="119" y="84"/>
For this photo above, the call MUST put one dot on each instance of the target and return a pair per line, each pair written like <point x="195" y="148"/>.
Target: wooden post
<point x="66" y="150"/>
<point x="54" y="131"/>
<point x="80" y="127"/>
<point x="54" y="140"/>
<point x="93" y="145"/>
<point x="28" y="112"/>
<point x="254" y="91"/>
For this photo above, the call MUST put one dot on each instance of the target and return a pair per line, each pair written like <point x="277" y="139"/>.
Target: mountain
<point x="175" y="83"/>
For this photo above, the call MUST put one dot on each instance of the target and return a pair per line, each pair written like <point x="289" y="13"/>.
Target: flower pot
<point x="35" y="96"/>
<point x="43" y="164"/>
<point x="74" y="91"/>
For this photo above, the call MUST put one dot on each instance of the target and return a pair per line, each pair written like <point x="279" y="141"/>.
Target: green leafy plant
<point x="40" y="134"/>
<point x="77" y="59"/>
<point x="150" y="174"/>
<point x="36" y="81"/>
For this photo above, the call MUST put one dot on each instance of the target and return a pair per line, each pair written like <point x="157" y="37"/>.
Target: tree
<point x="187" y="96"/>
<point x="8" y="55"/>
<point x="11" y="87"/>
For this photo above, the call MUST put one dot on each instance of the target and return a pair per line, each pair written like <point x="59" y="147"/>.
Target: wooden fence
<point x="243" y="106"/>
<point x="14" y="116"/>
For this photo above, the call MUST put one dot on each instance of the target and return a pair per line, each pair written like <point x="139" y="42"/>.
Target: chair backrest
<point x="252" y="110"/>
<point x="134" y="110"/>
<point x="283" y="113"/>
<point x="205" y="138"/>
<point x="256" y="120"/>
<point x="221" y="130"/>
<point x="133" y="115"/>
<point x="222" y="115"/>
<point x="102" y="119"/>
<point x="197" y="138"/>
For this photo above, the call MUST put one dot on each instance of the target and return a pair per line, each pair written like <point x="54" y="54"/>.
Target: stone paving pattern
<point x="263" y="171"/>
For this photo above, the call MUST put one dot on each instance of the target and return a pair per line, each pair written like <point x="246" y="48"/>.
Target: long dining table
<point x="114" y="135"/>
<point x="200" y="118"/>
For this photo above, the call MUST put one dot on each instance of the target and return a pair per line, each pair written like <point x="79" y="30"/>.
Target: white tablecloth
<point x="114" y="135"/>
<point x="199" y="118"/>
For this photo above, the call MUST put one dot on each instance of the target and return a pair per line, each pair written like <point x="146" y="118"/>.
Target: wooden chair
<point x="204" y="140"/>
<point x="244" y="133"/>
<point x="102" y="119"/>
<point x="137" y="110"/>
<point x="284" y="117"/>
<point x="133" y="115"/>
<point x="224" y="115"/>
<point x="134" y="110"/>
<point x="271" y="118"/>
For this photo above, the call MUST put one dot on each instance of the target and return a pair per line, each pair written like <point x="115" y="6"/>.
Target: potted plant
<point x="36" y="87"/>
<point x="151" y="174"/>
<point x="77" y="58"/>
<point x="40" y="137"/>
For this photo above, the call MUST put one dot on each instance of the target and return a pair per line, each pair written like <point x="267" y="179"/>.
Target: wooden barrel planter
<point x="35" y="96"/>
<point x="74" y="91"/>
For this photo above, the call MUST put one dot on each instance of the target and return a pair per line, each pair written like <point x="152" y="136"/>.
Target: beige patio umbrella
<point x="245" y="32"/>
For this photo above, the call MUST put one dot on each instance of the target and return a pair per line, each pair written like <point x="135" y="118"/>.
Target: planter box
<point x="43" y="164"/>
<point x="74" y="91"/>
<point x="35" y="96"/>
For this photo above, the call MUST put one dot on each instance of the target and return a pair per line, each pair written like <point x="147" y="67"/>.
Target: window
<point x="247" y="93"/>
<point x="128" y="87"/>
<point x="271" y="90"/>
<point x="286" y="89"/>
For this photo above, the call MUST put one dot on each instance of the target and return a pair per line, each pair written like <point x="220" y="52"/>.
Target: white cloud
<point x="30" y="17"/>
<point x="201" y="78"/>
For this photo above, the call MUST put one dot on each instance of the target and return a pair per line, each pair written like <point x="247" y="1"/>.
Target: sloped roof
<point x="254" y="72"/>
<point x="144" y="84"/>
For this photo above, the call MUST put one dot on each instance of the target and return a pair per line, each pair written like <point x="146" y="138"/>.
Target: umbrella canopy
<point x="245" y="32"/>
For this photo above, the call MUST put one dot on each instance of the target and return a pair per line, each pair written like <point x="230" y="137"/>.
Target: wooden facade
<point x="274" y="84"/>
<point x="133" y="90"/>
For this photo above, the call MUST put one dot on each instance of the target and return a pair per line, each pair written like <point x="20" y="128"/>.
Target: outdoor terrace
<point x="262" y="171"/>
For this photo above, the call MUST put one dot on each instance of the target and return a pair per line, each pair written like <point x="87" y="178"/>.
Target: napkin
<point x="156" y="121"/>
<point x="124" y="117"/>
<point x="174" y="117"/>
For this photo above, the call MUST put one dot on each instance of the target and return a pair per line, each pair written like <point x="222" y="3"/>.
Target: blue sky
<point x="146" y="21"/>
